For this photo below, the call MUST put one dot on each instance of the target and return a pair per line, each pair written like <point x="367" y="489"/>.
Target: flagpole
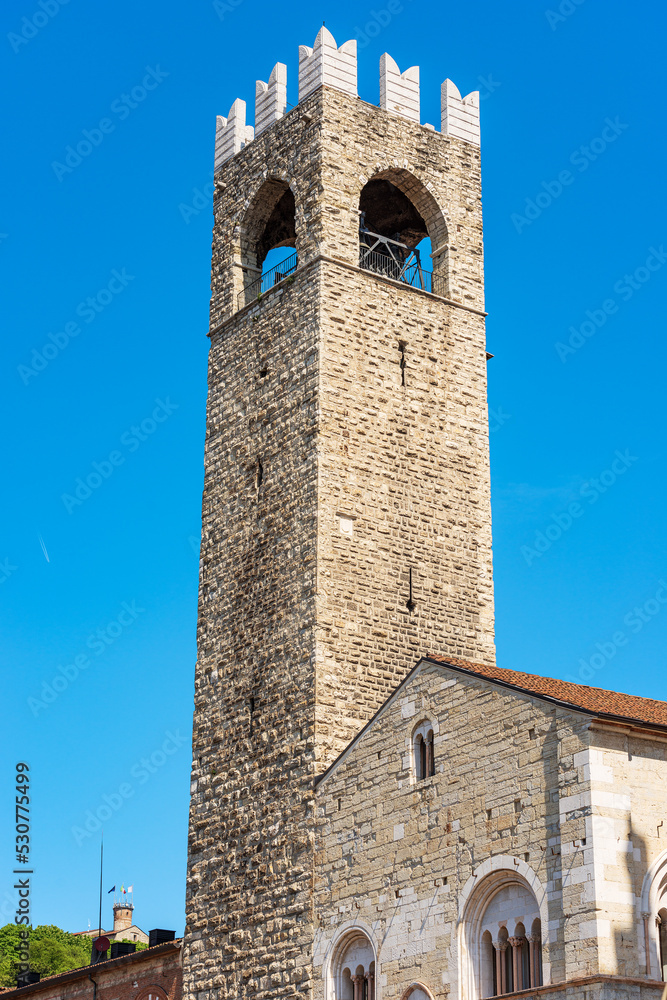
<point x="101" y="861"/>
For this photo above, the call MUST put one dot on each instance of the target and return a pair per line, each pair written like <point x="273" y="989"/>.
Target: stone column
<point x="533" y="958"/>
<point x="517" y="968"/>
<point x="358" y="987"/>
<point x="647" y="943"/>
<point x="501" y="967"/>
<point x="370" y="978"/>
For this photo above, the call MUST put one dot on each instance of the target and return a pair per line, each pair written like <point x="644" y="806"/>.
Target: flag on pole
<point x="112" y="889"/>
<point x="122" y="888"/>
<point x="130" y="888"/>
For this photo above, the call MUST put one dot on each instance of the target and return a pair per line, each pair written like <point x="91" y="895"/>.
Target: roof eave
<point x="86" y="970"/>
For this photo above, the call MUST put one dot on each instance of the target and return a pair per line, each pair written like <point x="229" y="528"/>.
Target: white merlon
<point x="460" y="116"/>
<point x="271" y="98"/>
<point x="231" y="133"/>
<point x="399" y="92"/>
<point x="327" y="64"/>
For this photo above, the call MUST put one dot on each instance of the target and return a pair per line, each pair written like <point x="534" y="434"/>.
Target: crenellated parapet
<point x="460" y="115"/>
<point x="399" y="92"/>
<point x="232" y="133"/>
<point x="328" y="65"/>
<point x="271" y="98"/>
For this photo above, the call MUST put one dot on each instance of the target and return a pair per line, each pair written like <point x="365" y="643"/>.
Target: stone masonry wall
<point x="628" y="776"/>
<point x="408" y="466"/>
<point x="303" y="632"/>
<point x="394" y="855"/>
<point x="250" y="865"/>
<point x="440" y="175"/>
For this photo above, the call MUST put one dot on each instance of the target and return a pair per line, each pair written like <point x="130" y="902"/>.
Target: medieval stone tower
<point x="346" y="511"/>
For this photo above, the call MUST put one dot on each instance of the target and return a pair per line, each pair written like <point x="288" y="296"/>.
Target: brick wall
<point x="156" y="971"/>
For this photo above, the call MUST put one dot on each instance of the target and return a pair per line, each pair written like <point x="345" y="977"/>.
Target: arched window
<point x="501" y="956"/>
<point x="268" y="240"/>
<point x="488" y="971"/>
<point x="517" y="958"/>
<point x="153" y="993"/>
<point x="417" y="992"/>
<point x="402" y="231"/>
<point x="535" y="951"/>
<point x="521" y="958"/>
<point x="353" y="968"/>
<point x="653" y="911"/>
<point x="423" y="751"/>
<point x="662" y="937"/>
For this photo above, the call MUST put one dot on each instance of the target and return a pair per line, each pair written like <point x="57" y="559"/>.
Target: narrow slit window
<point x="402" y="362"/>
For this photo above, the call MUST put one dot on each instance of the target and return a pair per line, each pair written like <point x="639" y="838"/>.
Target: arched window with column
<point x="352" y="968"/>
<point x="417" y="991"/>
<point x="423" y="751"/>
<point x="500" y="936"/>
<point x="487" y="966"/>
<point x="652" y="918"/>
<point x="517" y="956"/>
<point x="535" y="951"/>
<point x="662" y="941"/>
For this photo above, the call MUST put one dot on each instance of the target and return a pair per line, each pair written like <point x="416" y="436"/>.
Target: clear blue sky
<point x="549" y="85"/>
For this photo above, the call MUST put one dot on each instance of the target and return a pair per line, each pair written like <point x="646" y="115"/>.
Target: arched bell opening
<point x="402" y="232"/>
<point x="268" y="240"/>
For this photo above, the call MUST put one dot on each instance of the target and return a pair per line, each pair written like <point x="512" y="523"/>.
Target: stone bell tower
<point x="346" y="511"/>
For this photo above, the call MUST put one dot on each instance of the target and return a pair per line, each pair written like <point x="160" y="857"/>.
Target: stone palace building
<point x="379" y="811"/>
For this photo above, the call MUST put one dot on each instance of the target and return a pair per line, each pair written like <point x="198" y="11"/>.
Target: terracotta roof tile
<point x="591" y="700"/>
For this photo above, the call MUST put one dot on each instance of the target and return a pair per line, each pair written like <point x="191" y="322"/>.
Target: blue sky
<point x="104" y="263"/>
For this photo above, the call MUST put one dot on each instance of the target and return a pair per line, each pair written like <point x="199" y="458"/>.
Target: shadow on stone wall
<point x="628" y="940"/>
<point x="550" y="869"/>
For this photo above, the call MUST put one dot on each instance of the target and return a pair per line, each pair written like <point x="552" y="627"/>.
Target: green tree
<point x="138" y="944"/>
<point x="9" y="954"/>
<point x="52" y="950"/>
